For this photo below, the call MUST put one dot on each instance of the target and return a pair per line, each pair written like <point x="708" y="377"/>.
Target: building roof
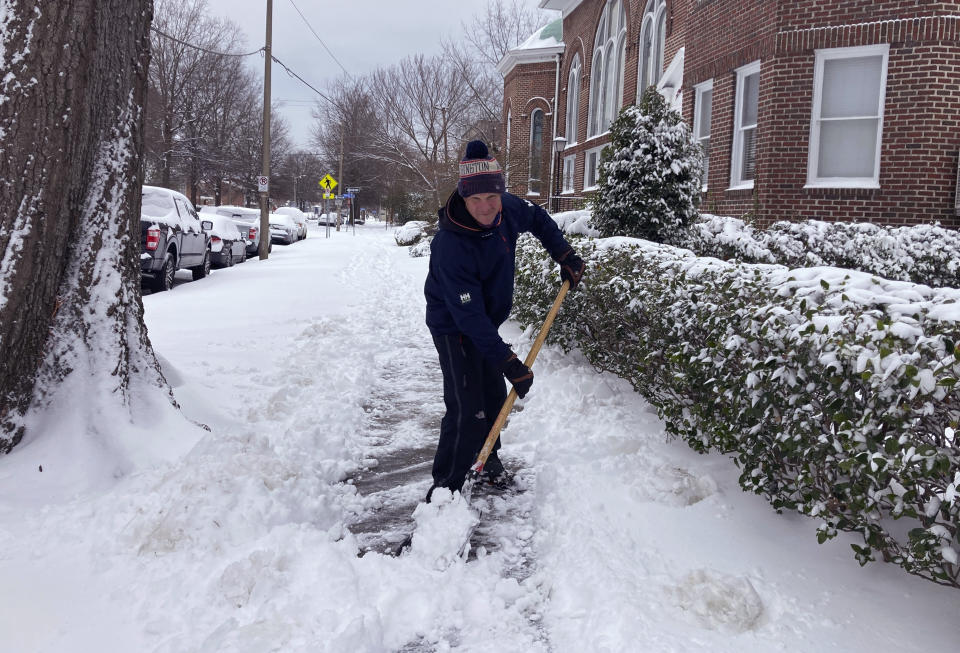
<point x="565" y="6"/>
<point x="543" y="45"/>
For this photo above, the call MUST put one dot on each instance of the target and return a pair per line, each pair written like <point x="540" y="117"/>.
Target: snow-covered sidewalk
<point x="313" y="368"/>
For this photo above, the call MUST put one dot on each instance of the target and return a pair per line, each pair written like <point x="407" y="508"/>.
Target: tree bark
<point x="71" y="144"/>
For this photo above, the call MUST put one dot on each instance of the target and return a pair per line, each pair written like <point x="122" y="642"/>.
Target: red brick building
<point x="839" y="110"/>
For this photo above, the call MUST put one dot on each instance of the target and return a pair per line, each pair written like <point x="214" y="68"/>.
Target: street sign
<point x="328" y="196"/>
<point x="348" y="195"/>
<point x="328" y="182"/>
<point x="263" y="183"/>
<point x="353" y="190"/>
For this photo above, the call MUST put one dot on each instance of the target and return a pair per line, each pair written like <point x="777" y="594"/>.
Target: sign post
<point x="328" y="183"/>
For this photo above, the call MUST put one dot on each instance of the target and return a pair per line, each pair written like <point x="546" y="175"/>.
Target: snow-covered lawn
<point x="235" y="539"/>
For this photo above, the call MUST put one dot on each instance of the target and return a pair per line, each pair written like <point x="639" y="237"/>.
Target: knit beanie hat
<point x="479" y="172"/>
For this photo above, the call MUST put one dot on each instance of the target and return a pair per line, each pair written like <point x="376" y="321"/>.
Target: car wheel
<point x="230" y="257"/>
<point x="164" y="280"/>
<point x="203" y="269"/>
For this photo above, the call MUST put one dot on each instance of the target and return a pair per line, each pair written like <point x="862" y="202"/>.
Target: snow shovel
<point x="474" y="474"/>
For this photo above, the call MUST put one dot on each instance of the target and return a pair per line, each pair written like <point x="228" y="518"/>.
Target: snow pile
<point x="443" y="528"/>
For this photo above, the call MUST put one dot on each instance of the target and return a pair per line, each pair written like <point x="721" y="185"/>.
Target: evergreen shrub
<point x="649" y="175"/>
<point x="835" y="392"/>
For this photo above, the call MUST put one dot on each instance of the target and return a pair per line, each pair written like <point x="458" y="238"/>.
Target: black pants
<point x="473" y="393"/>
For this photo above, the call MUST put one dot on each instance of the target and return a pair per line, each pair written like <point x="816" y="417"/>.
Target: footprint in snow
<point x="718" y="601"/>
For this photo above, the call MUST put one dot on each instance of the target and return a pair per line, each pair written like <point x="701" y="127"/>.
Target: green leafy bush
<point x="650" y="174"/>
<point x="834" y="391"/>
<point x="927" y="254"/>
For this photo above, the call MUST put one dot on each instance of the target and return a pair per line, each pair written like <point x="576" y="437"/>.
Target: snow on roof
<point x="543" y="45"/>
<point x="551" y="34"/>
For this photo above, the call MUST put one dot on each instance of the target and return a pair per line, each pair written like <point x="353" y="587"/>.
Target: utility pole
<point x="265" y="193"/>
<point x="340" y="173"/>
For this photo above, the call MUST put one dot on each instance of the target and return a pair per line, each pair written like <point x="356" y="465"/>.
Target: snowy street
<point x="312" y="398"/>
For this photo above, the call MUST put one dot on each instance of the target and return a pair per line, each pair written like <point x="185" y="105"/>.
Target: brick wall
<point x="921" y="134"/>
<point x="526" y="88"/>
<point x="919" y="146"/>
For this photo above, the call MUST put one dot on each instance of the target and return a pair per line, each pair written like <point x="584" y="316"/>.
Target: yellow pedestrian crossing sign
<point x="328" y="182"/>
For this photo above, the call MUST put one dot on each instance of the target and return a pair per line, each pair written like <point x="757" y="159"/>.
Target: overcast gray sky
<point x="361" y="34"/>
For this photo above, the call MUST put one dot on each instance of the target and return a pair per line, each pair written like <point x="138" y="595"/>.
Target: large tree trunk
<point x="71" y="141"/>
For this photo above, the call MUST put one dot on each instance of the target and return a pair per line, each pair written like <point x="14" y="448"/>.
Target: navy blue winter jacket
<point x="469" y="287"/>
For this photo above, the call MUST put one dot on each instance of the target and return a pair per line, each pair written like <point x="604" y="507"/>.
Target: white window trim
<point x="699" y="90"/>
<point x="586" y="167"/>
<point x="530" y="159"/>
<point x="813" y="181"/>
<point x="735" y="162"/>
<point x="506" y="175"/>
<point x="572" y="159"/>
<point x="573" y="101"/>
<point x="606" y="107"/>
<point x="650" y="22"/>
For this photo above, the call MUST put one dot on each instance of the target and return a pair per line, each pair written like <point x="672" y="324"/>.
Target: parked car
<point x="171" y="238"/>
<point x="283" y="229"/>
<point x="299" y="217"/>
<point x="327" y="219"/>
<point x="227" y="244"/>
<point x="247" y="221"/>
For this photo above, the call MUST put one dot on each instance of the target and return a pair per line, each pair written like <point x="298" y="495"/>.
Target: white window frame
<point x="813" y="178"/>
<point x="538" y="159"/>
<point x="586" y="168"/>
<point x="606" y="76"/>
<point x="506" y="174"/>
<point x="569" y="165"/>
<point x="699" y="90"/>
<point x="736" y="159"/>
<point x="645" y="65"/>
<point x="573" y="101"/>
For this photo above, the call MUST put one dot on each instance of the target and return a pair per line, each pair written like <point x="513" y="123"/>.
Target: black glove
<point x="571" y="268"/>
<point x="518" y="374"/>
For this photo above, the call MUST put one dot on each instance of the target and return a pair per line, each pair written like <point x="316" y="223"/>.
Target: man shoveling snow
<point x="469" y="292"/>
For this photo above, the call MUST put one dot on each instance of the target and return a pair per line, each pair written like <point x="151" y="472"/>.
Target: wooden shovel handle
<point x="512" y="395"/>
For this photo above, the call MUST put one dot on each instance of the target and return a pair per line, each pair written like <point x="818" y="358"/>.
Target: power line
<point x="301" y="79"/>
<point x="310" y="27"/>
<point x="197" y="47"/>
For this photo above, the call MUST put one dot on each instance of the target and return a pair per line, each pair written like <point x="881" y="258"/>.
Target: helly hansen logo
<point x="465" y="298"/>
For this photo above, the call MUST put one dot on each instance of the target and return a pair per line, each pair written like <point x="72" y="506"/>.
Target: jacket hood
<point x="455" y="217"/>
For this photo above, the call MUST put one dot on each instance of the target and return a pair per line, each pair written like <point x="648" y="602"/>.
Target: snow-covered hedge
<point x="833" y="390"/>
<point x="422" y="248"/>
<point x="410" y="233"/>
<point x="927" y="254"/>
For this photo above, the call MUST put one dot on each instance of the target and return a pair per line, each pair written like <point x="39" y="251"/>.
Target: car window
<point x="188" y="218"/>
<point x="156" y="203"/>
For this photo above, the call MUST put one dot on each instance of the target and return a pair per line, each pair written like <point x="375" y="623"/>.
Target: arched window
<point x="536" y="151"/>
<point x="573" y="100"/>
<point x="606" y="69"/>
<point x="653" y="34"/>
